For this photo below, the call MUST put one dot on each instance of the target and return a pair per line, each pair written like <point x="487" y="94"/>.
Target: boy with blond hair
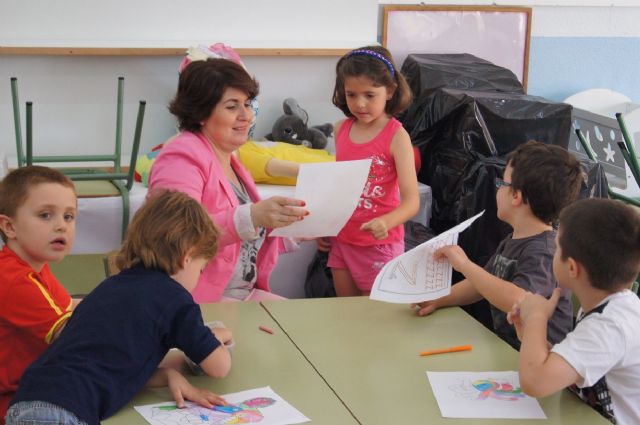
<point x="122" y="330"/>
<point x="598" y="258"/>
<point x="538" y="182"/>
<point x="37" y="225"/>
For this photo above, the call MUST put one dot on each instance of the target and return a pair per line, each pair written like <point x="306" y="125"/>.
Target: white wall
<point x="169" y="23"/>
<point x="573" y="48"/>
<point x="74" y="97"/>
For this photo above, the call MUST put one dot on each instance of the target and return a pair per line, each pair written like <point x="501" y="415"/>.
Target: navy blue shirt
<point x="113" y="343"/>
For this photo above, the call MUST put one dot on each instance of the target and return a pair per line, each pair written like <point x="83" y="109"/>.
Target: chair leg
<point x="29" y="159"/>
<point x="16" y="120"/>
<point x="136" y="143"/>
<point x="119" y="102"/>
<point x="630" y="157"/>
<point x="124" y="192"/>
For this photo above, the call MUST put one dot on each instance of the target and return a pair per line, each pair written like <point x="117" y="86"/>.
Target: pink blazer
<point x="188" y="164"/>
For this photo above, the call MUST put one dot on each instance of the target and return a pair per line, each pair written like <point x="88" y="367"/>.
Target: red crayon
<point x="265" y="329"/>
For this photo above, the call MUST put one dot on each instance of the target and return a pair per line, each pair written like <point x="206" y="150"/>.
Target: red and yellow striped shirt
<point x="33" y="306"/>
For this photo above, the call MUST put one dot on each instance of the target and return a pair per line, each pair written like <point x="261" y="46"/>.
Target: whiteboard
<point x="182" y="23"/>
<point x="499" y="35"/>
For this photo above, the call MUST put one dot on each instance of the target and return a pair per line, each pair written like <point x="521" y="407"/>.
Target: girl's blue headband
<point x="364" y="52"/>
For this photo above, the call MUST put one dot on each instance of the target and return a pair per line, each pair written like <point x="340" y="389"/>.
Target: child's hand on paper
<point x="377" y="227"/>
<point x="454" y="254"/>
<point x="324" y="244"/>
<point x="182" y="390"/>
<point x="425" y="308"/>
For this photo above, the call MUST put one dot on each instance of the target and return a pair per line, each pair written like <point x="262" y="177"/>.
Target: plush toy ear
<point x="291" y="107"/>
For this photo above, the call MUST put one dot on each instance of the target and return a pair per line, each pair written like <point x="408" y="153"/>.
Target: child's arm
<point x="61" y="326"/>
<point x="500" y="293"/>
<point x="59" y="330"/>
<point x="542" y="373"/>
<point x="218" y="363"/>
<point x="462" y="293"/>
<point x="282" y="168"/>
<point x="181" y="389"/>
<point x="402" y="153"/>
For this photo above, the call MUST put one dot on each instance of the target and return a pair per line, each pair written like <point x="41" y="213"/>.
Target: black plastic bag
<point x="319" y="281"/>
<point x="415" y="234"/>
<point x="426" y="73"/>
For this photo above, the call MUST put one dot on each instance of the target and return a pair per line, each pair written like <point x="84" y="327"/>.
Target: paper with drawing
<point x="483" y="395"/>
<point x="331" y="191"/>
<point x="415" y="276"/>
<point x="260" y="405"/>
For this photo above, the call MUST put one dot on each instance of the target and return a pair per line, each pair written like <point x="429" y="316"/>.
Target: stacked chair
<point x="110" y="180"/>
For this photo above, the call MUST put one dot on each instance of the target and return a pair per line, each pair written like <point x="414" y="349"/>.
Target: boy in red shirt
<point x="37" y="225"/>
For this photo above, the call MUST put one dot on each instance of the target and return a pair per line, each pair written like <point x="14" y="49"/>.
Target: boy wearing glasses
<point x="539" y="181"/>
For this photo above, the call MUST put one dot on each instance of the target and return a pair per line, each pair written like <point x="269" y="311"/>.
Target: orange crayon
<point x="446" y="350"/>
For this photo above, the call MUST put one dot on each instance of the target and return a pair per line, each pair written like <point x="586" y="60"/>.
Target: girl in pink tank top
<point x="370" y="91"/>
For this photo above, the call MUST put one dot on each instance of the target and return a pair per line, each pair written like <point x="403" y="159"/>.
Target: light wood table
<point x="259" y="359"/>
<point x="367" y="352"/>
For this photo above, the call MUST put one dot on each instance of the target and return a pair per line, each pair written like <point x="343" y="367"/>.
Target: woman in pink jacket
<point x="213" y="107"/>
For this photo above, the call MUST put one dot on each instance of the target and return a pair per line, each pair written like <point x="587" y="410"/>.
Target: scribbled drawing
<point x="248" y="412"/>
<point x="483" y="395"/>
<point x="498" y="390"/>
<point x="489" y="388"/>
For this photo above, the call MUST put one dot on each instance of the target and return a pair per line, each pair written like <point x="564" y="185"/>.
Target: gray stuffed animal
<point x="292" y="127"/>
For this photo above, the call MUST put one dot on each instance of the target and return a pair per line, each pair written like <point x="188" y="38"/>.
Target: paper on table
<point x="483" y="395"/>
<point x="331" y="191"/>
<point x="415" y="276"/>
<point x="261" y="405"/>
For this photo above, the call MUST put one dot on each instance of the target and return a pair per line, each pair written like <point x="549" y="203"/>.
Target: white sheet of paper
<point x="331" y="191"/>
<point x="415" y="276"/>
<point x="483" y="395"/>
<point x="261" y="405"/>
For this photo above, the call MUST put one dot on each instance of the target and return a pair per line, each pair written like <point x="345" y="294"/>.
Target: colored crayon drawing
<point x="483" y="395"/>
<point x="258" y="405"/>
<point x="488" y="388"/>
<point x="501" y="391"/>
<point x="248" y="411"/>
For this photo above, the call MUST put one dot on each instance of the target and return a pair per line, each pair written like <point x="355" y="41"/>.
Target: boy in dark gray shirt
<point x="539" y="181"/>
<point x="528" y="263"/>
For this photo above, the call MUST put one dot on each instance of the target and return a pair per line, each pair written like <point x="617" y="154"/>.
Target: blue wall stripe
<point x="562" y="66"/>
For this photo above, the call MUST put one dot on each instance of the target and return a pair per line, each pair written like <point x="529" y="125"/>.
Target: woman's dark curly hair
<point x="201" y="86"/>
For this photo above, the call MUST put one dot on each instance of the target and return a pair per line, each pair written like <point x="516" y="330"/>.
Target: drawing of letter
<point x="409" y="277"/>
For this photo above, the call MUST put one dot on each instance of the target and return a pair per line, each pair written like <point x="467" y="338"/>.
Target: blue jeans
<point x="40" y="413"/>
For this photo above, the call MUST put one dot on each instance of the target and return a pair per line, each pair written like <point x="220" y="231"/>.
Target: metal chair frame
<point x="121" y="180"/>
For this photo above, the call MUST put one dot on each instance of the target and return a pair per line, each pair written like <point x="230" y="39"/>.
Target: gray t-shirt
<point x="245" y="272"/>
<point x="528" y="263"/>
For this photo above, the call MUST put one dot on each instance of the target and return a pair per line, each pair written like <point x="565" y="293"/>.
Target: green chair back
<point x="109" y="180"/>
<point x="592" y="156"/>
